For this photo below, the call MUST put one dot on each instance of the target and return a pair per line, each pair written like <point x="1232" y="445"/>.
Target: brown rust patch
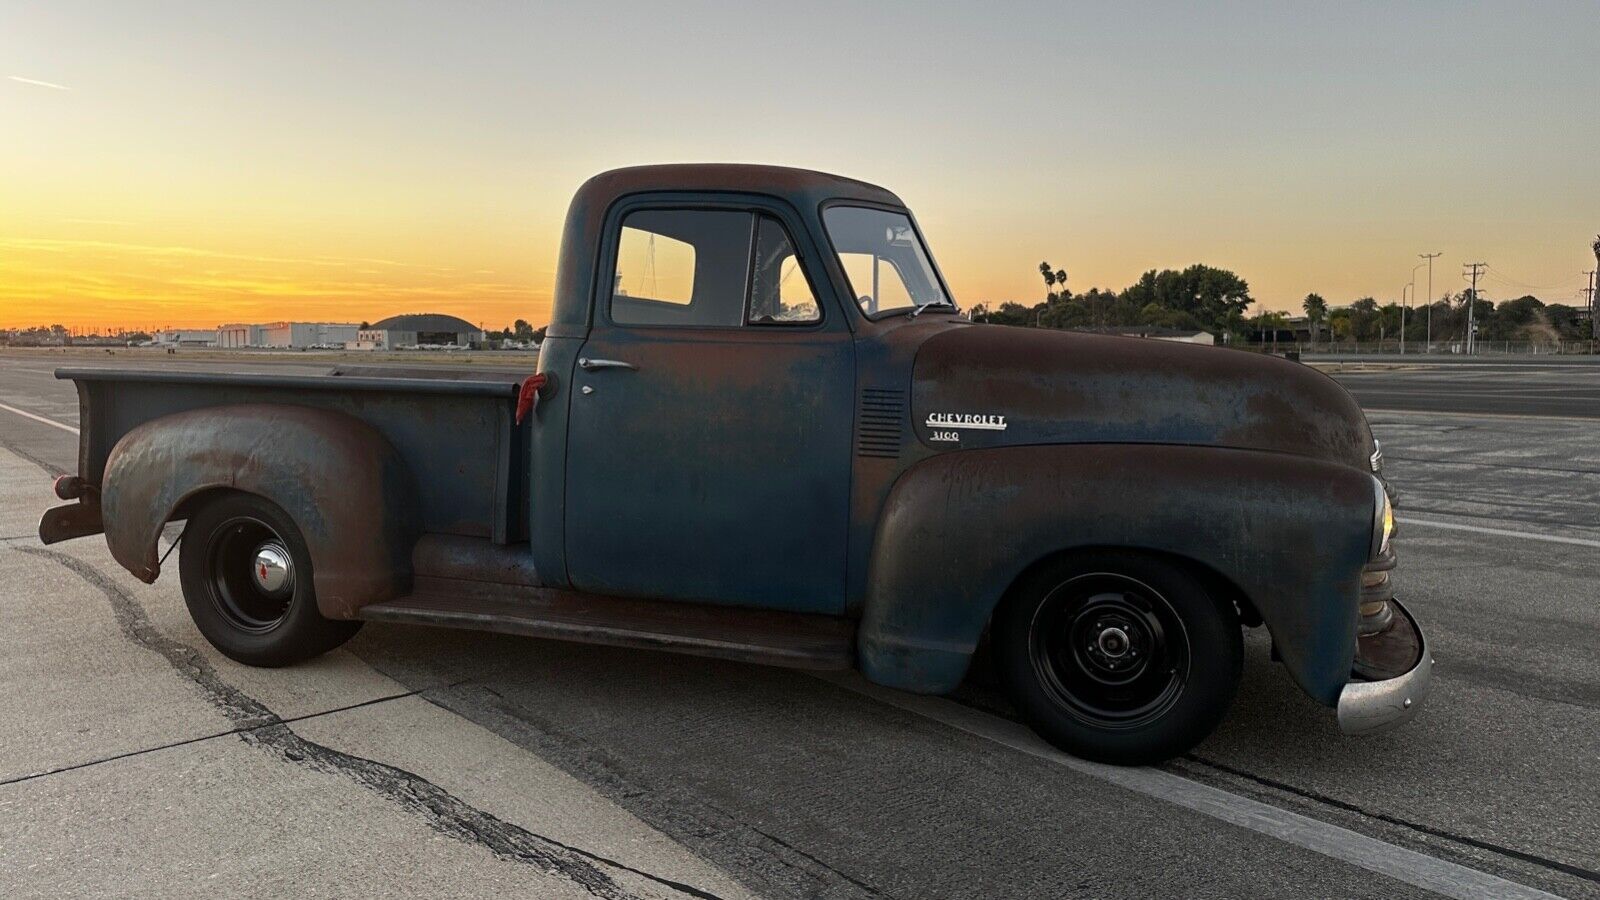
<point x="337" y="478"/>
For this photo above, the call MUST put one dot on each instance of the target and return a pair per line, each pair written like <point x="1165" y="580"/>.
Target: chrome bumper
<point x="1372" y="705"/>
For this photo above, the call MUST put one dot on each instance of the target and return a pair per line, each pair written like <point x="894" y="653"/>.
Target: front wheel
<point x="1117" y="656"/>
<point x="246" y="576"/>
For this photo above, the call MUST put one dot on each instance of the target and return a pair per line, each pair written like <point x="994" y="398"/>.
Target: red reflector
<point x="528" y="397"/>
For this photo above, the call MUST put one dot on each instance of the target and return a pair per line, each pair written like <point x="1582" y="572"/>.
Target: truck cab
<point x="761" y="428"/>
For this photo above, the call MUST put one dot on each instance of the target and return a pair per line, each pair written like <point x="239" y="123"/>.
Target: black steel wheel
<point x="246" y="578"/>
<point x="250" y="574"/>
<point x="1117" y="656"/>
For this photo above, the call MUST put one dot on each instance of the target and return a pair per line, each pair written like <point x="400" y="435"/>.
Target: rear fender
<point x="344" y="485"/>
<point x="959" y="528"/>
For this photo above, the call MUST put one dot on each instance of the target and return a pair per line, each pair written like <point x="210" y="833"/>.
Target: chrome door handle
<point x="587" y="363"/>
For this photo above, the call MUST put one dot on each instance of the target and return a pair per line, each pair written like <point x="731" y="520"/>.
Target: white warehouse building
<point x="308" y="334"/>
<point x="288" y="335"/>
<point x="240" y="335"/>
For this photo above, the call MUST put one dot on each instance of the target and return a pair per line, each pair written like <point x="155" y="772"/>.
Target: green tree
<point x="1364" y="320"/>
<point x="1005" y="314"/>
<point x="1216" y="298"/>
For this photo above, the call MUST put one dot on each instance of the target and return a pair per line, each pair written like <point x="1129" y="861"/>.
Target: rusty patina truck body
<point x="761" y="431"/>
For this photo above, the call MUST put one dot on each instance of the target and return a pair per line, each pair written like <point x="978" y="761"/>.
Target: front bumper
<point x="1392" y="668"/>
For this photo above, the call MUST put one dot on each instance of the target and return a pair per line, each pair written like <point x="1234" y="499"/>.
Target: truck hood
<point x="990" y="385"/>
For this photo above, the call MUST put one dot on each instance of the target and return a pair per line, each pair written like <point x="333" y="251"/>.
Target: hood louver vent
<point x="881" y="422"/>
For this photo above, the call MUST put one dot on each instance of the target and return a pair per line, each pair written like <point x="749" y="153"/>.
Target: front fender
<point x="344" y="485"/>
<point x="958" y="529"/>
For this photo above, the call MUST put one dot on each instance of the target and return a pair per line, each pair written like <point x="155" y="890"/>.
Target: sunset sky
<point x="187" y="164"/>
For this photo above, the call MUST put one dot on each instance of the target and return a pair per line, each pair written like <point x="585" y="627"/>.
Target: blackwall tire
<point x="1118" y="657"/>
<point x="246" y="577"/>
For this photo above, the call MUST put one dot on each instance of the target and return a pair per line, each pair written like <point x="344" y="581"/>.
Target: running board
<point x="795" y="640"/>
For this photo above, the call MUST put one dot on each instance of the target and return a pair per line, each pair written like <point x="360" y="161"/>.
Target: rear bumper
<point x="74" y="520"/>
<point x="1393" y="669"/>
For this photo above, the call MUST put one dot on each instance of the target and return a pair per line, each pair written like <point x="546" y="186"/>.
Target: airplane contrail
<point x="35" y="81"/>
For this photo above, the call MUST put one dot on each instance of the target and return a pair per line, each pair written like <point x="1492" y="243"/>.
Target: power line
<point x="1501" y="276"/>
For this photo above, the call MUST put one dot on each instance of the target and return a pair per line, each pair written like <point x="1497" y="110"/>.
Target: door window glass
<point x="779" y="291"/>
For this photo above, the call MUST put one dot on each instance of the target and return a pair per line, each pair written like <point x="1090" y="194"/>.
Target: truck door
<point x="710" y="426"/>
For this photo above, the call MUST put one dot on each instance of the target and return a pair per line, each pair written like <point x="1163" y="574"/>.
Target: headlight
<point x="1382" y="520"/>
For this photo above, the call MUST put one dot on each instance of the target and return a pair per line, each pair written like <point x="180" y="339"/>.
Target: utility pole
<point x="1590" y="292"/>
<point x="1594" y="287"/>
<point x="1429" y="257"/>
<point x="1472" y="302"/>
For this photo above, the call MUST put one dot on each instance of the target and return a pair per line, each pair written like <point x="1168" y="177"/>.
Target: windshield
<point x="882" y="255"/>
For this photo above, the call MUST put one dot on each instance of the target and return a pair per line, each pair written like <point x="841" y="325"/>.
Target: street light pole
<point x="1413" y="287"/>
<point x="1428" y="348"/>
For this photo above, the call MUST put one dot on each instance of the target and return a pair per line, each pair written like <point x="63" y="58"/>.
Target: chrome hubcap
<point x="273" y="569"/>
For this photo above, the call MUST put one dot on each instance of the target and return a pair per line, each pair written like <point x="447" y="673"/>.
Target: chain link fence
<point x="1444" y="348"/>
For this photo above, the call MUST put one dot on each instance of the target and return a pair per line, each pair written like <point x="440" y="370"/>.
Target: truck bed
<point x="454" y="428"/>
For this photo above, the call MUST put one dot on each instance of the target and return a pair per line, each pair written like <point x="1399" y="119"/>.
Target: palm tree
<point x="1316" y="313"/>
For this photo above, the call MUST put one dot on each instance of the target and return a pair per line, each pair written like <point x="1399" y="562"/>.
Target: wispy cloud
<point x="36" y="82"/>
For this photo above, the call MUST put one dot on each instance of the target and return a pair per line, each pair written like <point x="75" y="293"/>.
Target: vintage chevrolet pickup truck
<point x="759" y="429"/>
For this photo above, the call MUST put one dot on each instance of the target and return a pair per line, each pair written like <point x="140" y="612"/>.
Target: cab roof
<point x="803" y="187"/>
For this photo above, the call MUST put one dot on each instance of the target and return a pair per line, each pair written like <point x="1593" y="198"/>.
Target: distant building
<point x="241" y="336"/>
<point x="1179" y="335"/>
<point x="420" y="330"/>
<point x="298" y="335"/>
<point x="186" y="337"/>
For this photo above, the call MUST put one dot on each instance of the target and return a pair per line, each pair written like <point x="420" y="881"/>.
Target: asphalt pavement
<point x="429" y="762"/>
<point x="1531" y="385"/>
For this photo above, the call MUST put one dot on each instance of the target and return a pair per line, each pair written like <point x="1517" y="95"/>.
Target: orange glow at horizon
<point x="80" y="282"/>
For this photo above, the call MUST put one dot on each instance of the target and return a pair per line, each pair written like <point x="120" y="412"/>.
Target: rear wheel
<point x="246" y="578"/>
<point x="1117" y="656"/>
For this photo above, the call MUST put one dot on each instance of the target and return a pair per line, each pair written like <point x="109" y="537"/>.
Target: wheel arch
<point x="1216" y="584"/>
<point x="344" y="486"/>
<point x="1283" y="537"/>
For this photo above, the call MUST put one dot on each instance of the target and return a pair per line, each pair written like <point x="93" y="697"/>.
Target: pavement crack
<point x="1324" y="799"/>
<point x="823" y="863"/>
<point x="440" y="809"/>
<point x="202" y="738"/>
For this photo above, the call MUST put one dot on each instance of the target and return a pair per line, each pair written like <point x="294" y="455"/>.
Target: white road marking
<point x="1418" y="869"/>
<point x="1500" y="532"/>
<point x="37" y="418"/>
